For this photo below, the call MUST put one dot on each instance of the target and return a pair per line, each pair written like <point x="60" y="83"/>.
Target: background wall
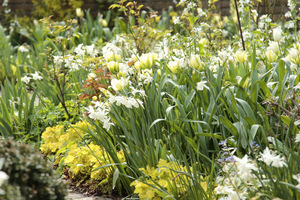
<point x="24" y="7"/>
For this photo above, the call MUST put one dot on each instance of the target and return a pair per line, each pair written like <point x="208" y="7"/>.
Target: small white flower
<point x="177" y="20"/>
<point x="107" y="124"/>
<point x="277" y="34"/>
<point x="3" y="177"/>
<point x="23" y="49"/>
<point x="97" y="114"/>
<point x="289" y="24"/>
<point x="36" y="76"/>
<point x="244" y="167"/>
<point x="91" y="51"/>
<point x="272" y="159"/>
<point x="92" y="75"/>
<point x="79" y="50"/>
<point x="288" y="14"/>
<point x="297" y="178"/>
<point x="118" y="85"/>
<point x="201" y="85"/>
<point x="25" y="79"/>
<point x="274" y="46"/>
<point x="297" y="138"/>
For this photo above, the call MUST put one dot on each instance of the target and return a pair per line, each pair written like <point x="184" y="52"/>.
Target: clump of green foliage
<point x="30" y="172"/>
<point x="60" y="9"/>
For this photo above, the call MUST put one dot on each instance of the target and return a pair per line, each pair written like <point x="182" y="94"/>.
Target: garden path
<point x="77" y="196"/>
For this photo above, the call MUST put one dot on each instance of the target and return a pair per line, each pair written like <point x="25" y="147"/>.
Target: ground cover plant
<point x="182" y="105"/>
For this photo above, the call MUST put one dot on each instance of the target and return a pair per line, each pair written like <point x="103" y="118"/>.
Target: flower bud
<point x="104" y="22"/>
<point x="175" y="66"/>
<point x="270" y="56"/>
<point x="241" y="56"/>
<point x="204" y="41"/>
<point x="110" y="56"/>
<point x="196" y="63"/>
<point x="118" y="85"/>
<point x="277" y="34"/>
<point x="79" y="12"/>
<point x="274" y="47"/>
<point x="113" y="67"/>
<point x="147" y="60"/>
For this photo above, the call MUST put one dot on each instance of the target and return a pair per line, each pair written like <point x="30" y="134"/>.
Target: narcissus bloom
<point x="277" y="34"/>
<point x="201" y="85"/>
<point x="270" y="158"/>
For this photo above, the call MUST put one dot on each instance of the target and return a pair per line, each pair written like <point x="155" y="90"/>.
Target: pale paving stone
<point x="76" y="196"/>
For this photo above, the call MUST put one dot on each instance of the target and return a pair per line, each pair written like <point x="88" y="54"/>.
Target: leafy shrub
<point x="85" y="162"/>
<point x="28" y="170"/>
<point x="61" y="9"/>
<point x="55" y="138"/>
<point x="11" y="192"/>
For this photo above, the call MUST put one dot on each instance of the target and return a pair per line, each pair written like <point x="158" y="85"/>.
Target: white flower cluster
<point x="100" y="112"/>
<point x="86" y="50"/>
<point x="3" y="175"/>
<point x="71" y="62"/>
<point x="128" y="102"/>
<point x="26" y="79"/>
<point x="110" y="49"/>
<point x="239" y="176"/>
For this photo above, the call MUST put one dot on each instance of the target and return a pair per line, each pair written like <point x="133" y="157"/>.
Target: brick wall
<point x="24" y="7"/>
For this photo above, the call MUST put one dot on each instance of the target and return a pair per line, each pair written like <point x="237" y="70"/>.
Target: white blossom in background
<point x="111" y="48"/>
<point x="125" y="70"/>
<point x="288" y="14"/>
<point x="241" y="56"/>
<point x="271" y="159"/>
<point x="145" y="76"/>
<point x="176" y="65"/>
<point x="291" y="4"/>
<point x="297" y="138"/>
<point x="23" y="49"/>
<point x="128" y="102"/>
<point x="58" y="60"/>
<point x="90" y="50"/>
<point x="3" y="177"/>
<point x="177" y="20"/>
<point x="25" y="79"/>
<point x="297" y="178"/>
<point x="245" y="167"/>
<point x="100" y="112"/>
<point x="92" y="75"/>
<point x="135" y="91"/>
<point x="289" y="24"/>
<point x="119" y="84"/>
<point x="36" y="76"/>
<point x="274" y="47"/>
<point x="201" y="85"/>
<point x="277" y="34"/>
<point x="79" y="50"/>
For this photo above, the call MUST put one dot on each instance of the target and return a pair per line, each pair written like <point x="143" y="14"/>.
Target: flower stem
<point x="240" y="27"/>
